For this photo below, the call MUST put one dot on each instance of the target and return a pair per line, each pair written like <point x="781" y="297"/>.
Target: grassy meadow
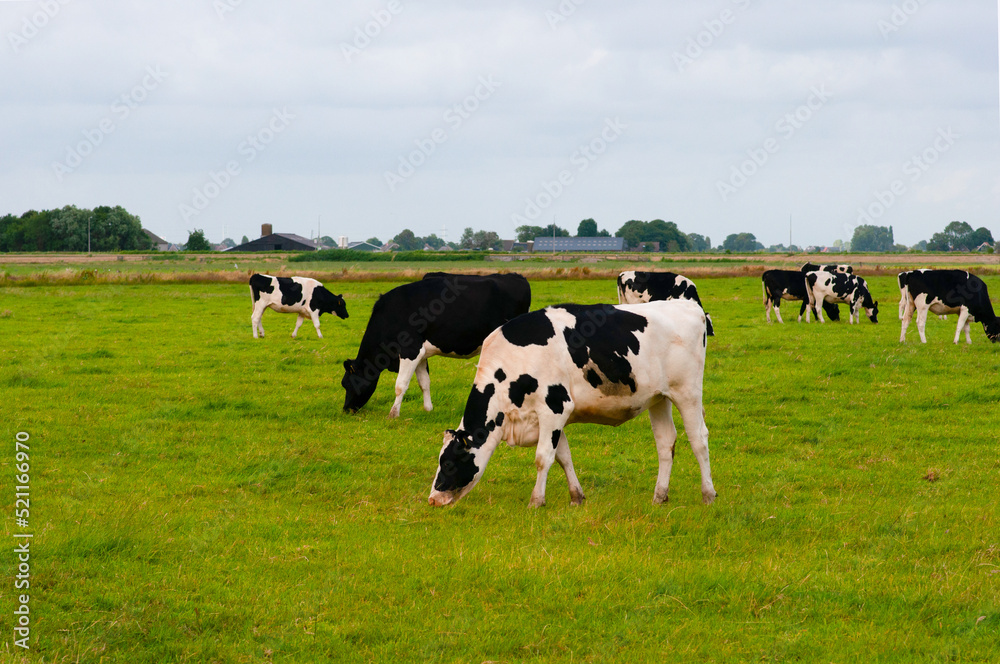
<point x="198" y="495"/>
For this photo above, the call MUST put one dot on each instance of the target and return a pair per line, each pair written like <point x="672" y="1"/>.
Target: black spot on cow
<point x="520" y="388"/>
<point x="500" y="376"/>
<point x="499" y="419"/>
<point x="474" y="420"/>
<point x="291" y="292"/>
<point x="529" y="331"/>
<point x="604" y="335"/>
<point x="594" y="378"/>
<point x="260" y="284"/>
<point x="556" y="397"/>
<point x="556" y="435"/>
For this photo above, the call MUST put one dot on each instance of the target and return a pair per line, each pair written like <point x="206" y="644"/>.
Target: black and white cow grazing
<point x="949" y="292"/>
<point x="842" y="268"/>
<point x="636" y="287"/>
<point x="841" y="287"/>
<point x="442" y="314"/>
<point x="297" y="295"/>
<point x="571" y="363"/>
<point x="902" y="278"/>
<point x="789" y="285"/>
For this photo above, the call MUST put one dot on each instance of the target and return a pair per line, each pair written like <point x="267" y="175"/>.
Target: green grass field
<point x="198" y="495"/>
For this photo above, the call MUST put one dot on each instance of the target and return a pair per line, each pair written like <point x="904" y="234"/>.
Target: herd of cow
<point x="538" y="372"/>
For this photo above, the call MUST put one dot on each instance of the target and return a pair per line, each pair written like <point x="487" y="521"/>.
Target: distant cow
<point x="600" y="364"/>
<point x="297" y="295"/>
<point x="636" y="287"/>
<point x="789" y="285"/>
<point x="844" y="288"/>
<point x="443" y="314"/>
<point x="949" y="292"/>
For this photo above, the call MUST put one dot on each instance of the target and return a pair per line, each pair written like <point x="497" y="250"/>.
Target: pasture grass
<point x="198" y="495"/>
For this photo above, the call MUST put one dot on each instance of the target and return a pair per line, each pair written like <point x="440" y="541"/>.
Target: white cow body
<point x="292" y="295"/>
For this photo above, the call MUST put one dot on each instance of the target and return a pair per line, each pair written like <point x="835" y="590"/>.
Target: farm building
<point x="159" y="244"/>
<point x="579" y="244"/>
<point x="269" y="241"/>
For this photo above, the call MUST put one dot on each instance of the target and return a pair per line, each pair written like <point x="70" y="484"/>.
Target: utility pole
<point x="88" y="233"/>
<point x="789" y="231"/>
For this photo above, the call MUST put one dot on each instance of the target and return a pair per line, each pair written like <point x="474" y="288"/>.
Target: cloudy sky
<point x="363" y="118"/>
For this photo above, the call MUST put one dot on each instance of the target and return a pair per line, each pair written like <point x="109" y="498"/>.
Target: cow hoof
<point x="537" y="503"/>
<point x="428" y="407"/>
<point x="708" y="498"/>
<point x="576" y="501"/>
<point x="393" y="413"/>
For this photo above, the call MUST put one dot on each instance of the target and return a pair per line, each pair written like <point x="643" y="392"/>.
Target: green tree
<point x="407" y="241"/>
<point x="699" y="243"/>
<point x="467" y="242"/>
<point x="374" y="241"/>
<point x="957" y="236"/>
<point x="196" y="241"/>
<point x="741" y="243"/>
<point x="244" y="240"/>
<point x="872" y="238"/>
<point x="433" y="241"/>
<point x="484" y="240"/>
<point x="666" y="233"/>
<point x="587" y="228"/>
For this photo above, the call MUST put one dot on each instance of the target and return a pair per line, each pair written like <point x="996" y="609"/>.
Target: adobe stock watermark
<point x="32" y="26"/>
<point x="784" y="130"/>
<point x="365" y="34"/>
<point x="453" y="117"/>
<point x="562" y="13"/>
<point x="120" y="110"/>
<point x="899" y="16"/>
<point x="581" y="159"/>
<point x="223" y="7"/>
<point x="913" y="169"/>
<point x="248" y="150"/>
<point x="712" y="29"/>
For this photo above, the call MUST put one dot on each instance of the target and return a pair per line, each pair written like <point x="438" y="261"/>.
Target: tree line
<point x="73" y="229"/>
<point x="107" y="228"/>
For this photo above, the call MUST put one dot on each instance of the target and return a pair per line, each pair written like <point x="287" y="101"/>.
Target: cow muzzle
<point x="441" y="498"/>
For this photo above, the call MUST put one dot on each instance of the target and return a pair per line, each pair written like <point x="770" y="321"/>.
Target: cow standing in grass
<point x="297" y="295"/>
<point x="949" y="292"/>
<point x="571" y="363"/>
<point x="791" y="285"/>
<point x="844" y="288"/>
<point x="442" y="314"/>
<point x="636" y="287"/>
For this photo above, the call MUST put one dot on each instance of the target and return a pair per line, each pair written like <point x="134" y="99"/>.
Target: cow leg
<point x="693" y="415"/>
<point x="922" y="323"/>
<point x="545" y="454"/>
<point x="298" y="323"/>
<point x="804" y="310"/>
<point x="665" y="435"/>
<point x="424" y="381"/>
<point x="963" y="323"/>
<point x="907" y="317"/>
<point x="777" y="310"/>
<point x="406" y="370"/>
<point x="255" y="318"/>
<point x="767" y="308"/>
<point x="564" y="459"/>
<point x="315" y="320"/>
<point x="819" y="314"/>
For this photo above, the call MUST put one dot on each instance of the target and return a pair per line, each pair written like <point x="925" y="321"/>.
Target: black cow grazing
<point x="599" y="363"/>
<point x="949" y="292"/>
<point x="298" y="295"/>
<point x="841" y="287"/>
<point x="831" y="308"/>
<point x="636" y="287"/>
<point x="442" y="314"/>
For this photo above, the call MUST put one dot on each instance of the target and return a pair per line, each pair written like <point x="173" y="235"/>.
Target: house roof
<point x="278" y="242"/>
<point x="154" y="237"/>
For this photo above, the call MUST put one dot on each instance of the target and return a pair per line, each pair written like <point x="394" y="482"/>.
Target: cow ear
<point x="348" y="367"/>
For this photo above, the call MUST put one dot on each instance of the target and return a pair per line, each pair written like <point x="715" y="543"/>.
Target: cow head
<point x="328" y="303"/>
<point x="992" y="330"/>
<point x="358" y="385"/>
<point x="460" y="466"/>
<point x="867" y="302"/>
